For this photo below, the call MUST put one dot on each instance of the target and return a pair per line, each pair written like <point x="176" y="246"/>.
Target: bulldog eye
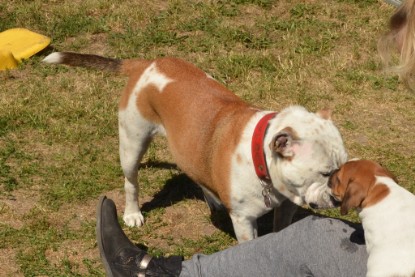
<point x="325" y="174"/>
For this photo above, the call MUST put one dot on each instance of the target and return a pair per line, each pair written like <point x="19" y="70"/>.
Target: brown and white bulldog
<point x="245" y="158"/>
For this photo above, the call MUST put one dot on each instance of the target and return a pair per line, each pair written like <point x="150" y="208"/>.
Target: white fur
<point x="151" y="76"/>
<point x="246" y="188"/>
<point x="390" y="233"/>
<point x="319" y="195"/>
<point x="54" y="58"/>
<point x="316" y="154"/>
<point x="288" y="180"/>
<point x="135" y="133"/>
<point x="314" y="145"/>
<point x="320" y="151"/>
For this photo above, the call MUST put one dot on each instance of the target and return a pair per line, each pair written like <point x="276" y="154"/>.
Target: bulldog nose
<point x="313" y="205"/>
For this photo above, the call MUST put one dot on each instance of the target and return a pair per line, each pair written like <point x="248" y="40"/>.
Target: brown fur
<point x="146" y="109"/>
<point x="191" y="98"/>
<point x="354" y="184"/>
<point x="204" y="123"/>
<point x="134" y="69"/>
<point x="239" y="159"/>
<point x="91" y="61"/>
<point x="205" y="156"/>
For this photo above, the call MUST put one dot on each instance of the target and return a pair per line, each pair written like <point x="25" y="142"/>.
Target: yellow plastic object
<point x="18" y="44"/>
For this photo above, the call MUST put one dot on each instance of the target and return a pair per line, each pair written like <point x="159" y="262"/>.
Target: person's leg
<point x="314" y="246"/>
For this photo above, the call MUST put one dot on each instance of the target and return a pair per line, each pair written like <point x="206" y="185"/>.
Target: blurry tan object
<point x="401" y="39"/>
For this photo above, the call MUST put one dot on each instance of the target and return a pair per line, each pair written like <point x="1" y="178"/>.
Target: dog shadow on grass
<point x="181" y="187"/>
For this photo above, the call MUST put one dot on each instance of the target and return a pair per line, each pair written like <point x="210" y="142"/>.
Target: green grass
<point x="58" y="125"/>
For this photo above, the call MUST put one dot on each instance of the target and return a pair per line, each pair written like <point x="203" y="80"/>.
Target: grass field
<point x="58" y="125"/>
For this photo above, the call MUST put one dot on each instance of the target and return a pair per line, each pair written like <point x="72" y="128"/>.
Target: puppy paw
<point x="133" y="219"/>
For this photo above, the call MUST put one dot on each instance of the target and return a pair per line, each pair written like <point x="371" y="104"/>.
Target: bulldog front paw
<point x="133" y="219"/>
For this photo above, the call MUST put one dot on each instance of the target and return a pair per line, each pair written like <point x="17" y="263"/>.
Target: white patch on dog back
<point x="131" y="115"/>
<point x="151" y="76"/>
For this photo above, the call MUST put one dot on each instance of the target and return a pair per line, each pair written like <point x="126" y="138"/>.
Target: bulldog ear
<point x="324" y="113"/>
<point x="353" y="197"/>
<point x="282" y="144"/>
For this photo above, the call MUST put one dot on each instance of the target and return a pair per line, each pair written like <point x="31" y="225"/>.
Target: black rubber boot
<point x="120" y="256"/>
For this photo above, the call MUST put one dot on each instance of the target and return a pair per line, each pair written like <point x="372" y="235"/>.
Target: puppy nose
<point x="335" y="202"/>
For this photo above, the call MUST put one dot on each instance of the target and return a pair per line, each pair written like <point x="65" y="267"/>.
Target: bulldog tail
<point x="89" y="61"/>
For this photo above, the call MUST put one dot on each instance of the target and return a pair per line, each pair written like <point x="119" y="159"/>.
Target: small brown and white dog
<point x="387" y="212"/>
<point x="247" y="159"/>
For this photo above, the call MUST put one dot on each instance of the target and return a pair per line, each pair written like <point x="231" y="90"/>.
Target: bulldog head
<point x="305" y="148"/>
<point x="355" y="185"/>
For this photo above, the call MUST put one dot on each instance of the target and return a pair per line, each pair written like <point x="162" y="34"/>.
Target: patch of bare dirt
<point x="13" y="207"/>
<point x="96" y="44"/>
<point x="74" y="251"/>
<point x="8" y="263"/>
<point x="74" y="217"/>
<point x="188" y="220"/>
<point x="183" y="219"/>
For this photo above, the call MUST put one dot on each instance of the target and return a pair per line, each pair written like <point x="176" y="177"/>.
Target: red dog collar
<point x="258" y="156"/>
<point x="257" y="147"/>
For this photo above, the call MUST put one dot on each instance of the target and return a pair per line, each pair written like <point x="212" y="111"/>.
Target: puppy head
<point x="355" y="185"/>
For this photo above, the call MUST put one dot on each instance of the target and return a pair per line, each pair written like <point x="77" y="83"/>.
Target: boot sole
<point x="107" y="267"/>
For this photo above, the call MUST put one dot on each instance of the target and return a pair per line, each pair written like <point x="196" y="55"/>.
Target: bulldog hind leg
<point x="134" y="141"/>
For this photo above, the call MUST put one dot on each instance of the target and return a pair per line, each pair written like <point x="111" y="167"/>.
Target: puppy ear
<point x="282" y="144"/>
<point x="353" y="197"/>
<point x="334" y="179"/>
